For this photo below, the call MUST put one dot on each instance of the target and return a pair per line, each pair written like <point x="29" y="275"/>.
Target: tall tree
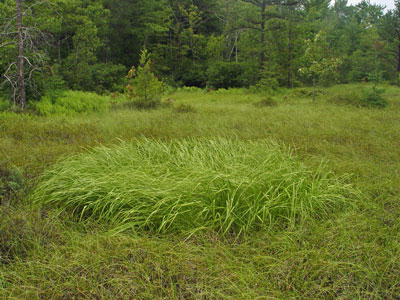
<point x="390" y="32"/>
<point x="266" y="11"/>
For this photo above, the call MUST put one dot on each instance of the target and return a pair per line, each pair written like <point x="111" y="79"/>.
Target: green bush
<point x="232" y="91"/>
<point x="100" y="78"/>
<point x="190" y="89"/>
<point x="12" y="182"/>
<point x="267" y="101"/>
<point x="71" y="103"/>
<point x="265" y="86"/>
<point x="184" y="108"/>
<point x="301" y="93"/>
<point x="230" y="186"/>
<point x="359" y="98"/>
<point x="5" y="105"/>
<point x="374" y="99"/>
<point x="350" y="97"/>
<point x="225" y="75"/>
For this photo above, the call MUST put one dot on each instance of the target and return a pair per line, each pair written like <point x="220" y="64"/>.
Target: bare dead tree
<point x="28" y="42"/>
<point x="20" y="62"/>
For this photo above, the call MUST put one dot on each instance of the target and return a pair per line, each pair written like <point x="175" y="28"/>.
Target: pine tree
<point x="145" y="88"/>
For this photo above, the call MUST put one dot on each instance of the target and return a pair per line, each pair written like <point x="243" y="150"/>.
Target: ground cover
<point x="353" y="253"/>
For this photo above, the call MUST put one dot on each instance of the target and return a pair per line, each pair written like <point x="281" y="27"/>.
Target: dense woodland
<point x="90" y="45"/>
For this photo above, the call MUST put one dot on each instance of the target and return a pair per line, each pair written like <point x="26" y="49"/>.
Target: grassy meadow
<point x="343" y="242"/>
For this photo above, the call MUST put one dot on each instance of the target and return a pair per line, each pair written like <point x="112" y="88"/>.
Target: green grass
<point x="352" y="253"/>
<point x="229" y="186"/>
<point x="71" y="103"/>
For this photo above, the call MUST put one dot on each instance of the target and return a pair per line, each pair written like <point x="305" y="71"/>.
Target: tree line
<point x="90" y="45"/>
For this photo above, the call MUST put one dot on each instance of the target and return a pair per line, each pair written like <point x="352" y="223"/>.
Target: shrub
<point x="232" y="91"/>
<point x="5" y="105"/>
<point x="350" y="97"/>
<point x="225" y="75"/>
<point x="71" y="103"/>
<point x="184" y="108"/>
<point x="267" y="101"/>
<point x="301" y="93"/>
<point x="357" y="98"/>
<point x="266" y="85"/>
<point x="230" y="186"/>
<point x="100" y="77"/>
<point x="191" y="73"/>
<point x="12" y="182"/>
<point x="374" y="99"/>
<point x="190" y="89"/>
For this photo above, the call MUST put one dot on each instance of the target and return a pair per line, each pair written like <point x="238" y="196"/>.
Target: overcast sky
<point x="388" y="3"/>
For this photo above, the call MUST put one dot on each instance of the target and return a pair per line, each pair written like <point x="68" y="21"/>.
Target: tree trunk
<point x="289" y="63"/>
<point x="398" y="62"/>
<point x="20" y="62"/>
<point x="59" y="50"/>
<point x="227" y="37"/>
<point x="262" y="38"/>
<point x="107" y="49"/>
<point x="314" y="89"/>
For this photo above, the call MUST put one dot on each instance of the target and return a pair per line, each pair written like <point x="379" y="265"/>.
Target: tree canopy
<point x="91" y="45"/>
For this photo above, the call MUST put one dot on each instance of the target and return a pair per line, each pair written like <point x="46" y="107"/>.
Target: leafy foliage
<point x="100" y="78"/>
<point x="226" y="75"/>
<point x="90" y="45"/>
<point x="144" y="88"/>
<point x="318" y="65"/>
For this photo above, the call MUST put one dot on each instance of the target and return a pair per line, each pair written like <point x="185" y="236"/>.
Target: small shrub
<point x="12" y="183"/>
<point x="374" y="99"/>
<point x="190" y="89"/>
<point x="265" y="85"/>
<point x="301" y="93"/>
<point x="358" y="99"/>
<point x="169" y="102"/>
<point x="351" y="97"/>
<point x="145" y="104"/>
<point x="232" y="91"/>
<point x="267" y="101"/>
<point x="5" y="105"/>
<point x="184" y="108"/>
<point x="229" y="186"/>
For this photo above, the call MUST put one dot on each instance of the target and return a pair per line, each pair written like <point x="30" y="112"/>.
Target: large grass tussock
<point x="230" y="186"/>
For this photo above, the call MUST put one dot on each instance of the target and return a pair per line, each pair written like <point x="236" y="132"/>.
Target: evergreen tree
<point x="144" y="88"/>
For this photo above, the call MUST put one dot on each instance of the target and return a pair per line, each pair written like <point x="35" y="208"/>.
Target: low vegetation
<point x="347" y="250"/>
<point x="187" y="186"/>
<point x="71" y="103"/>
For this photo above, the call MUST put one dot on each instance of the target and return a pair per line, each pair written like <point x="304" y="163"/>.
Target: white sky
<point x="388" y="3"/>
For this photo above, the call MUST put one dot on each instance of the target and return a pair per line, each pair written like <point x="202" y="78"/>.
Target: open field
<point x="352" y="253"/>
